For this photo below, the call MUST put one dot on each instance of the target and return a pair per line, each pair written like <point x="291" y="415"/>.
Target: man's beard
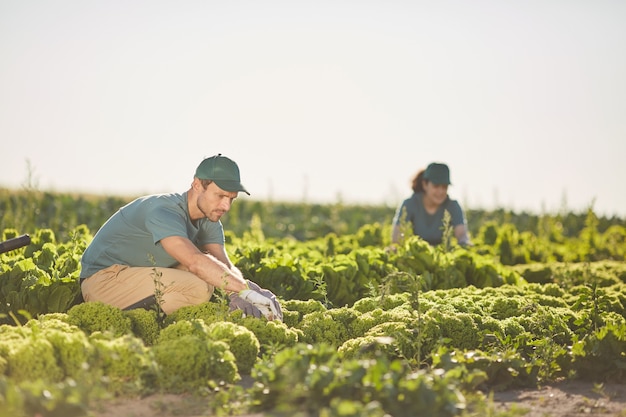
<point x="213" y="215"/>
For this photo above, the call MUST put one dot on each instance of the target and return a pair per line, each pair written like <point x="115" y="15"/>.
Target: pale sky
<point x="320" y="101"/>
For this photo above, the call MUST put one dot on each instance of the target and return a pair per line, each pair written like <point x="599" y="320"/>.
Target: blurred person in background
<point x="424" y="209"/>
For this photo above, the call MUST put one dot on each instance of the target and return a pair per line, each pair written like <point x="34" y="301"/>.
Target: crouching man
<point x="172" y="245"/>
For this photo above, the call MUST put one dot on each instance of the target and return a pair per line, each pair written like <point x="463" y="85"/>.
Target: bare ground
<point x="565" y="399"/>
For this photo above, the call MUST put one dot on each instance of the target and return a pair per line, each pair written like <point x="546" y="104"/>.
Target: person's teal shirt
<point x="428" y="226"/>
<point x="132" y="235"/>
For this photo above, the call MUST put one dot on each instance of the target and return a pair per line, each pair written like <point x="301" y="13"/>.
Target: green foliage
<point x="27" y="356"/>
<point x="537" y="298"/>
<point x="70" y="398"/>
<point x="386" y="302"/>
<point x="190" y="327"/>
<point x="125" y="363"/>
<point x="192" y="363"/>
<point x="322" y="327"/>
<point x="378" y="316"/>
<point x="96" y="316"/>
<point x="209" y="312"/>
<point x="459" y="328"/>
<point x="505" y="306"/>
<point x="371" y="346"/>
<point x="241" y="341"/>
<point x="144" y="324"/>
<point x="270" y="334"/>
<point x="403" y="339"/>
<point x="496" y="371"/>
<point x="315" y="379"/>
<point x="42" y="278"/>
<point x="72" y="349"/>
<point x="599" y="355"/>
<point x="303" y="307"/>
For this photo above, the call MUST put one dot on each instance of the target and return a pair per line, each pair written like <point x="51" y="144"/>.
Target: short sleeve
<point x="456" y="213"/>
<point x="164" y="221"/>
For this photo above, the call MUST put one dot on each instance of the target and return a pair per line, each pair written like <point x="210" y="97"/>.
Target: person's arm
<point x="460" y="223"/>
<point x="213" y="267"/>
<point x="219" y="252"/>
<point x="462" y="235"/>
<point x="399" y="218"/>
<point x="395" y="233"/>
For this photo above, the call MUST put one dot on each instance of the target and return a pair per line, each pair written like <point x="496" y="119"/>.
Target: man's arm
<point x="249" y="303"/>
<point x="214" y="267"/>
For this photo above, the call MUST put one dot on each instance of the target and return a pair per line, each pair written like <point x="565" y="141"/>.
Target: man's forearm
<point x="216" y="273"/>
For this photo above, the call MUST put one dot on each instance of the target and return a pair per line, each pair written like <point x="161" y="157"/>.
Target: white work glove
<point x="256" y="301"/>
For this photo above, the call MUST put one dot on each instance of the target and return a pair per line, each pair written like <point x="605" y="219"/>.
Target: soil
<point x="566" y="399"/>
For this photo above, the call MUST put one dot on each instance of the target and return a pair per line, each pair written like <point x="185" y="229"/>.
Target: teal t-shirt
<point x="428" y="226"/>
<point x="132" y="235"/>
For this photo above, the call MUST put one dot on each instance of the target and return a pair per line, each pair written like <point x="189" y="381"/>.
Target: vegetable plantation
<point x="368" y="329"/>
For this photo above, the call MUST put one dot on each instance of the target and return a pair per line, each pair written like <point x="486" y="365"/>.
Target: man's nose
<point x="225" y="204"/>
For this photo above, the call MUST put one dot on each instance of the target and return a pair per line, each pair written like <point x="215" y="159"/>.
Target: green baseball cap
<point x="437" y="173"/>
<point x="222" y="171"/>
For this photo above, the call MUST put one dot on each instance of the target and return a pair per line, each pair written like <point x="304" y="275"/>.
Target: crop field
<point x="368" y="329"/>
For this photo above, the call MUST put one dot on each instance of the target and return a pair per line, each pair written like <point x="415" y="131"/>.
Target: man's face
<point x="214" y="202"/>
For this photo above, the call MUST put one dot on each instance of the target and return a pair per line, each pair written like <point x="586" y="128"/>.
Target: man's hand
<point x="256" y="301"/>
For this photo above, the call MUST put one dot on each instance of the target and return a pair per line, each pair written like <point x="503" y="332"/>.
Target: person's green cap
<point x="222" y="171"/>
<point x="437" y="173"/>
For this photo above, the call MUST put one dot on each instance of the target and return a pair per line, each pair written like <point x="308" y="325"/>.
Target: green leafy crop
<point x="241" y="341"/>
<point x="27" y="355"/>
<point x="191" y="363"/>
<point x="96" y="316"/>
<point x="144" y="324"/>
<point x="125" y="363"/>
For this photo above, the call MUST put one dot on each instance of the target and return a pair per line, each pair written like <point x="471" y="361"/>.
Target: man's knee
<point x="186" y="295"/>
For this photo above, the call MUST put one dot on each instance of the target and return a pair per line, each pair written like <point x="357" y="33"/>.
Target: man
<point x="169" y="248"/>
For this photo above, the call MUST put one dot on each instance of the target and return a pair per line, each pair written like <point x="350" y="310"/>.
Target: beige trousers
<point x="122" y="286"/>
